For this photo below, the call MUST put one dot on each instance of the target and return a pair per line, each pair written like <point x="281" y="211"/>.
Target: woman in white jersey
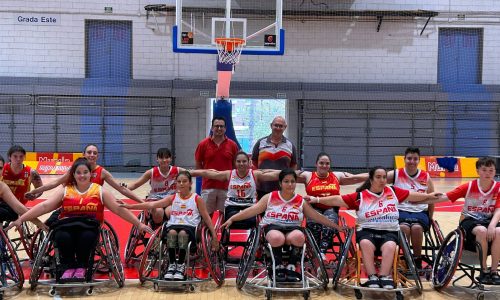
<point x="186" y="213"/>
<point x="480" y="216"/>
<point x="162" y="179"/>
<point x="376" y="206"/>
<point x="242" y="189"/>
<point x="282" y="221"/>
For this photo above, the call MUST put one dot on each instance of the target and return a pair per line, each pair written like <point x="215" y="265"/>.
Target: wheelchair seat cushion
<point x="76" y="221"/>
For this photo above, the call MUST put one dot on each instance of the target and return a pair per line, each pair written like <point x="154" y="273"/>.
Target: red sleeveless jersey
<point x="323" y="187"/>
<point x="96" y="175"/>
<point x="87" y="204"/>
<point x="19" y="183"/>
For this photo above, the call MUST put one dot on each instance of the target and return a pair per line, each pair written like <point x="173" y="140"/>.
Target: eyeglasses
<point x="219" y="126"/>
<point x="278" y="125"/>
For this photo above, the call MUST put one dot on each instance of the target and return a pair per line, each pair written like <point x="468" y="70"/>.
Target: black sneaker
<point x="495" y="278"/>
<point x="387" y="283"/>
<point x="280" y="274"/>
<point x="418" y="263"/>
<point x="291" y="275"/>
<point x="484" y="278"/>
<point x="372" y="282"/>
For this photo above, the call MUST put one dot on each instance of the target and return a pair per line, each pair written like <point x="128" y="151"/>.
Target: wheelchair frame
<point x="348" y="272"/>
<point x="11" y="273"/>
<point x="256" y="259"/>
<point x="106" y="251"/>
<point x="154" y="262"/>
<point x="448" y="260"/>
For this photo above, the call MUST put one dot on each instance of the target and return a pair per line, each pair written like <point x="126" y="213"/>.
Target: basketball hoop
<point x="229" y="49"/>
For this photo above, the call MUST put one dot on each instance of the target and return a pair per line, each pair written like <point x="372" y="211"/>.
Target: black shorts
<point x="230" y="211"/>
<point x="190" y="230"/>
<point x="468" y="224"/>
<point x="7" y="214"/>
<point x="410" y="218"/>
<point x="377" y="237"/>
<point x="283" y="229"/>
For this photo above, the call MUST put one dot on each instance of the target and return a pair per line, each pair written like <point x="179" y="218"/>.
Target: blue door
<point x="459" y="59"/>
<point x="108" y="63"/>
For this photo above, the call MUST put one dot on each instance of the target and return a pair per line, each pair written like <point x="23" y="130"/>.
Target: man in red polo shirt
<point x="215" y="152"/>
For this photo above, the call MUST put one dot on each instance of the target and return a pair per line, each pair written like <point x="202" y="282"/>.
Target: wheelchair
<point x="456" y="254"/>
<point x="202" y="263"/>
<point x="106" y="254"/>
<point x="11" y="273"/>
<point x="258" y="261"/>
<point x="23" y="241"/>
<point x="432" y="242"/>
<point x="137" y="241"/>
<point x="348" y="273"/>
<point x="334" y="252"/>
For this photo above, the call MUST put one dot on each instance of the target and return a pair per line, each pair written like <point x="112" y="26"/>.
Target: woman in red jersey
<point x="82" y="212"/>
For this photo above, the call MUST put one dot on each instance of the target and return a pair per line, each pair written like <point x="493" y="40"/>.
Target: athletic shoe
<point x="172" y="268"/>
<point x="484" y="278"/>
<point x="80" y="273"/>
<point x="280" y="274"/>
<point x="495" y="278"/>
<point x="372" y="282"/>
<point x="418" y="263"/>
<point x="68" y="274"/>
<point x="179" y="273"/>
<point x="386" y="282"/>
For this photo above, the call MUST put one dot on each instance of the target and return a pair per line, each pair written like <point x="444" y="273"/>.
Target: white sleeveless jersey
<point x="161" y="184"/>
<point x="283" y="213"/>
<point x="242" y="191"/>
<point x="185" y="211"/>
<point x="480" y="205"/>
<point x="417" y="183"/>
<point x="378" y="212"/>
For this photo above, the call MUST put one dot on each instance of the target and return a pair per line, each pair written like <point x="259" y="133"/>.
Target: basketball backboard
<point x="199" y="22"/>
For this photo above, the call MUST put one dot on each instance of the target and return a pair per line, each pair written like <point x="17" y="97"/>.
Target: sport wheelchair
<point x="258" y="260"/>
<point x="456" y="254"/>
<point x="106" y="255"/>
<point x="11" y="273"/>
<point x="23" y="241"/>
<point x="404" y="273"/>
<point x="202" y="264"/>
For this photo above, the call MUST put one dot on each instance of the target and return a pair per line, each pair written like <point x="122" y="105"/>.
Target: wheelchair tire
<point x="346" y="250"/>
<point x="214" y="259"/>
<point x="447" y="259"/>
<point x="113" y="257"/>
<point x="151" y="256"/>
<point x="36" y="271"/>
<point x="313" y="258"/>
<point x="37" y="241"/>
<point x="10" y="263"/>
<point x="134" y="240"/>
<point x="410" y="262"/>
<point x="248" y="257"/>
<point x="28" y="230"/>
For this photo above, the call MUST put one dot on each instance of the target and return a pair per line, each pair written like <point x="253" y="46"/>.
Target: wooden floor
<point x="133" y="290"/>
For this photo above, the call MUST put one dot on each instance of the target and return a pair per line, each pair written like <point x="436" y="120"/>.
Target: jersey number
<point x="241" y="193"/>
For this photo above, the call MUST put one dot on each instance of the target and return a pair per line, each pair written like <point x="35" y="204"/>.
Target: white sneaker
<point x="170" y="271"/>
<point x="291" y="267"/>
<point x="386" y="282"/>
<point x="179" y="274"/>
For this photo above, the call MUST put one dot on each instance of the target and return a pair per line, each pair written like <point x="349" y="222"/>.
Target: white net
<point x="229" y="50"/>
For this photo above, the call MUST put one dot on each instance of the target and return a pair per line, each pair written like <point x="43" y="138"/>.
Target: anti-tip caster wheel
<point x="358" y="294"/>
<point x="480" y="296"/>
<point x="399" y="296"/>
<point x="89" y="291"/>
<point x="52" y="291"/>
<point x="269" y="295"/>
<point x="156" y="288"/>
<point x="307" y="295"/>
<point x="191" y="288"/>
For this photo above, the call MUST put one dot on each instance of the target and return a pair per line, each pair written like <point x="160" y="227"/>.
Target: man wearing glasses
<point x="274" y="151"/>
<point x="217" y="152"/>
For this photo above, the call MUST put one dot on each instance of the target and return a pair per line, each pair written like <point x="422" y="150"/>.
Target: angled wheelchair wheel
<point x="113" y="257"/>
<point x="447" y="259"/>
<point x="43" y="259"/>
<point x="346" y="250"/>
<point x="410" y="262"/>
<point x="37" y="241"/>
<point x="28" y="230"/>
<point x="11" y="268"/>
<point x="436" y="231"/>
<point x="248" y="257"/>
<point x="313" y="259"/>
<point x="214" y="259"/>
<point x="150" y="261"/>
<point x="135" y="242"/>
